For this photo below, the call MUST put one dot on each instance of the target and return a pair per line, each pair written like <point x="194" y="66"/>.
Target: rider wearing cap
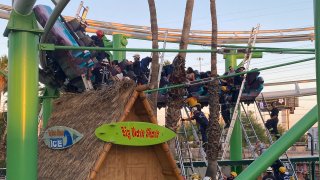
<point x="269" y="175"/>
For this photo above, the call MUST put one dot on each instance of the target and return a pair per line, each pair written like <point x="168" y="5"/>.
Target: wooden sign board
<point x="134" y="133"/>
<point x="61" y="137"/>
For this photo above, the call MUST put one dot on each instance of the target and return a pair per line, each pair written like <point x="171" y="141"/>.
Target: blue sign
<point x="61" y="137"/>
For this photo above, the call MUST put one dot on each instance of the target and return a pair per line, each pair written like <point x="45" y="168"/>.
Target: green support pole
<point x="236" y="137"/>
<point x="316" y="6"/>
<point x="119" y="41"/>
<point x="280" y="146"/>
<point x="22" y="137"/>
<point x="47" y="105"/>
<point x="108" y="44"/>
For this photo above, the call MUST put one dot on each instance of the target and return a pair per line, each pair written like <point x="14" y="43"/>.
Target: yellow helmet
<point x="195" y="176"/>
<point x="234" y="174"/>
<point x="282" y="169"/>
<point x="224" y="88"/>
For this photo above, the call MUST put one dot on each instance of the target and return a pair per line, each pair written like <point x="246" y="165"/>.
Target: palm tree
<point x="178" y="76"/>
<point x="155" y="56"/>
<point x="3" y="123"/>
<point x="213" y="127"/>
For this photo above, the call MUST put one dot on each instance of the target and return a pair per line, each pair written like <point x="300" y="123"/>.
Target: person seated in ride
<point x="164" y="81"/>
<point x="118" y="73"/>
<point x="196" y="74"/>
<point x="97" y="39"/>
<point x="190" y="74"/>
<point x="237" y="84"/>
<point x="230" y="80"/>
<point x="168" y="69"/>
<point x="202" y="121"/>
<point x="204" y="75"/>
<point x="137" y="68"/>
<point x="144" y="64"/>
<point x="272" y="123"/>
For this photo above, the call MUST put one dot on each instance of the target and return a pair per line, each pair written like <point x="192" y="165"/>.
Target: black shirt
<point x="274" y="112"/>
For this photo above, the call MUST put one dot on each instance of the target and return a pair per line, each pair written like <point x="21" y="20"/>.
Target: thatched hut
<point x="92" y="158"/>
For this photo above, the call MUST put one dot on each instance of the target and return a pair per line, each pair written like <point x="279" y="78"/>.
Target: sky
<point x="232" y="15"/>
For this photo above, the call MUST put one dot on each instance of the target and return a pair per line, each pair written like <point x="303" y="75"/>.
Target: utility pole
<point x="200" y="59"/>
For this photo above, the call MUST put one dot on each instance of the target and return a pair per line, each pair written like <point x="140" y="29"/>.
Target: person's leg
<point x="275" y="127"/>
<point x="274" y="124"/>
<point x="235" y="95"/>
<point x="268" y="124"/>
<point x="203" y="134"/>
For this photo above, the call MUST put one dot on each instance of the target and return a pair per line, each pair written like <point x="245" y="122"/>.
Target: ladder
<point x="184" y="151"/>
<point x="226" y="134"/>
<point x="286" y="162"/>
<point x="249" y="133"/>
<point x="180" y="159"/>
<point x="82" y="15"/>
<point x="162" y="56"/>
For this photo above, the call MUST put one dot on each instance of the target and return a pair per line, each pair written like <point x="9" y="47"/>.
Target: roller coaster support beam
<point x="47" y="104"/>
<point x="236" y="137"/>
<point x="22" y="138"/>
<point x="119" y="41"/>
<point x="280" y="146"/>
<point x="316" y="6"/>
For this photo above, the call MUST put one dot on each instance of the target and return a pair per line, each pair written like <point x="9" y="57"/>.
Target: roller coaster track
<point x="198" y="37"/>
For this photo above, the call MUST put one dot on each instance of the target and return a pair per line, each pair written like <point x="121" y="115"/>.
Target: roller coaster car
<point x="65" y="67"/>
<point x="253" y="87"/>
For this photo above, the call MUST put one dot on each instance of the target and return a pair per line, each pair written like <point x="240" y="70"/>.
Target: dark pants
<point x="272" y="123"/>
<point x="203" y="133"/>
<point x="235" y="95"/>
<point x="225" y="112"/>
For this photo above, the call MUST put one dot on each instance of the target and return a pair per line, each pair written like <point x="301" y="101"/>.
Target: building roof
<point x="83" y="112"/>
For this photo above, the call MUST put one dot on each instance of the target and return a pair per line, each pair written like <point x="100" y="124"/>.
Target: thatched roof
<point x="84" y="113"/>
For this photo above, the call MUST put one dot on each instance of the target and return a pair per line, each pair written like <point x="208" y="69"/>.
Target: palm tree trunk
<point x="155" y="56"/>
<point x="213" y="127"/>
<point x="186" y="28"/>
<point x="3" y="136"/>
<point x="175" y="102"/>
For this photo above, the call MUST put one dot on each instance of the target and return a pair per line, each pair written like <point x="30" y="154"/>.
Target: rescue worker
<point x="191" y="101"/>
<point x="202" y="120"/>
<point x="283" y="174"/>
<point x="269" y="175"/>
<point x="272" y="123"/>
